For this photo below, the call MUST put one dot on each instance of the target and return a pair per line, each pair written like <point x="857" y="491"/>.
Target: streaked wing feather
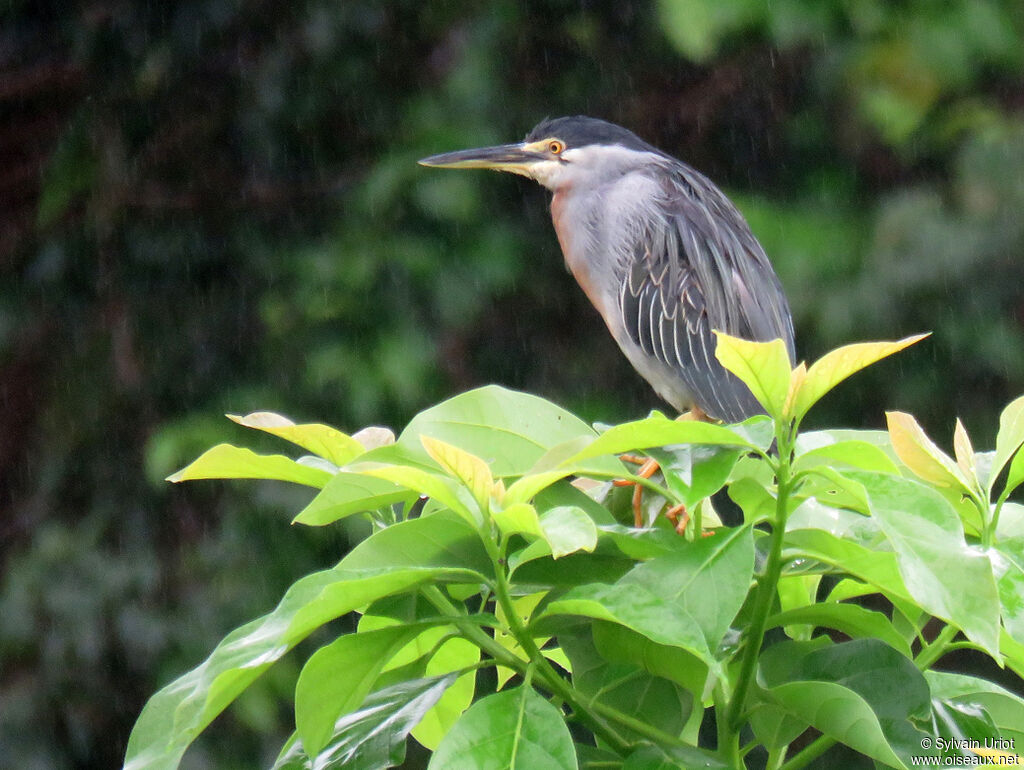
<point x="696" y="270"/>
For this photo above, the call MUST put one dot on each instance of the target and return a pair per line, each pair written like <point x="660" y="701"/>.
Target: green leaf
<point x="348" y="493"/>
<point x="567" y="529"/>
<point x="625" y="686"/>
<point x="322" y="440"/>
<point x="852" y="620"/>
<point x="1014" y="476"/>
<point x="764" y="367"/>
<point x="685" y="599"/>
<point x="878" y="568"/>
<point x="822" y="447"/>
<point x="862" y="693"/>
<point x="709" y="579"/>
<point x="695" y="472"/>
<point x="836" y="365"/>
<point x="515" y="729"/>
<point x="651" y="757"/>
<point x="391" y="561"/>
<point x="524" y="489"/>
<point x="650" y="615"/>
<point x="519" y="519"/>
<point x="658" y="430"/>
<point x="442" y="540"/>
<point x="225" y="461"/>
<point x="454" y="655"/>
<point x="337" y="678"/>
<point x="618" y="644"/>
<point x="1005" y="708"/>
<point x="374" y="736"/>
<point x="1009" y="438"/>
<point x="839" y="713"/>
<point x="946" y="576"/>
<point x="509" y="430"/>
<point x="1007" y="559"/>
<point x="439" y="488"/>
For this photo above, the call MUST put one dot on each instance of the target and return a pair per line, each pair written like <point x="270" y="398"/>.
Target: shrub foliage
<point x="816" y="619"/>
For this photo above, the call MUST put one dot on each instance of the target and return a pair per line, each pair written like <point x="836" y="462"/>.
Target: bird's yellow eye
<point x="555" y="147"/>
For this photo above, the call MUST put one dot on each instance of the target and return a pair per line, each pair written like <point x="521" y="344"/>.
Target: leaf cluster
<point x="860" y="561"/>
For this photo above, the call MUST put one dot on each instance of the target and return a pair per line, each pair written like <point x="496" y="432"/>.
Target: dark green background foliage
<point x="212" y="206"/>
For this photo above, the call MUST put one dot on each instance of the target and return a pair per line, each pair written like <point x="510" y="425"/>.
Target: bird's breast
<point x="574" y="241"/>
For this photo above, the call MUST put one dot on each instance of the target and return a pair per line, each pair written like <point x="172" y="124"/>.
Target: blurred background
<point x="213" y="206"/>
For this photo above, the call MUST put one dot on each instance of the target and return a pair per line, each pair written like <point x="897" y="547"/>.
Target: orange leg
<point x="678" y="514"/>
<point x="648" y="468"/>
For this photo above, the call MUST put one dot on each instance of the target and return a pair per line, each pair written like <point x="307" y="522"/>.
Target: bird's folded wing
<point x="697" y="270"/>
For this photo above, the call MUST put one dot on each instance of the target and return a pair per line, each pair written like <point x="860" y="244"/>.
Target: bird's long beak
<point x="517" y="158"/>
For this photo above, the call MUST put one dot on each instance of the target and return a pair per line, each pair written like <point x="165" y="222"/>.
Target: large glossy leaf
<point x="349" y="493"/>
<point x="393" y="560"/>
<point x="322" y="440"/>
<point x="862" y="693"/>
<point x="515" y="729"/>
<point x="618" y="644"/>
<point x="685" y="599"/>
<point x="946" y="576"/>
<point x="836" y="365"/>
<point x="1006" y="709"/>
<point x="764" y="367"/>
<point x="626" y="686"/>
<point x="337" y="678"/>
<point x="878" y="568"/>
<point x="851" y="619"/>
<point x="709" y="579"/>
<point x="373" y="736"/>
<point x="508" y="430"/>
<point x="658" y="430"/>
<point x="225" y="461"/>
<point x="839" y="713"/>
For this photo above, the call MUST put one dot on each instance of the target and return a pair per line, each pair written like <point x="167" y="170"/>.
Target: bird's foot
<point x="677" y="514"/>
<point x="648" y="468"/>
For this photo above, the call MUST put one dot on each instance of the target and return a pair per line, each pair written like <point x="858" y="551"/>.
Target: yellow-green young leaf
<point x="1009" y="438"/>
<point x="519" y="519"/>
<point x="225" y="461"/>
<point x="835" y="366"/>
<point x="466" y="467"/>
<point x="762" y="366"/>
<point x="919" y="453"/>
<point x="796" y="381"/>
<point x="435" y="487"/>
<point x="964" y="452"/>
<point x="321" y="440"/>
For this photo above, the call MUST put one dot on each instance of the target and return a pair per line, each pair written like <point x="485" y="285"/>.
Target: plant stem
<point x="809" y="753"/>
<point x="728" y="739"/>
<point x="767" y="585"/>
<point x="550" y="678"/>
<point x="932" y="652"/>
